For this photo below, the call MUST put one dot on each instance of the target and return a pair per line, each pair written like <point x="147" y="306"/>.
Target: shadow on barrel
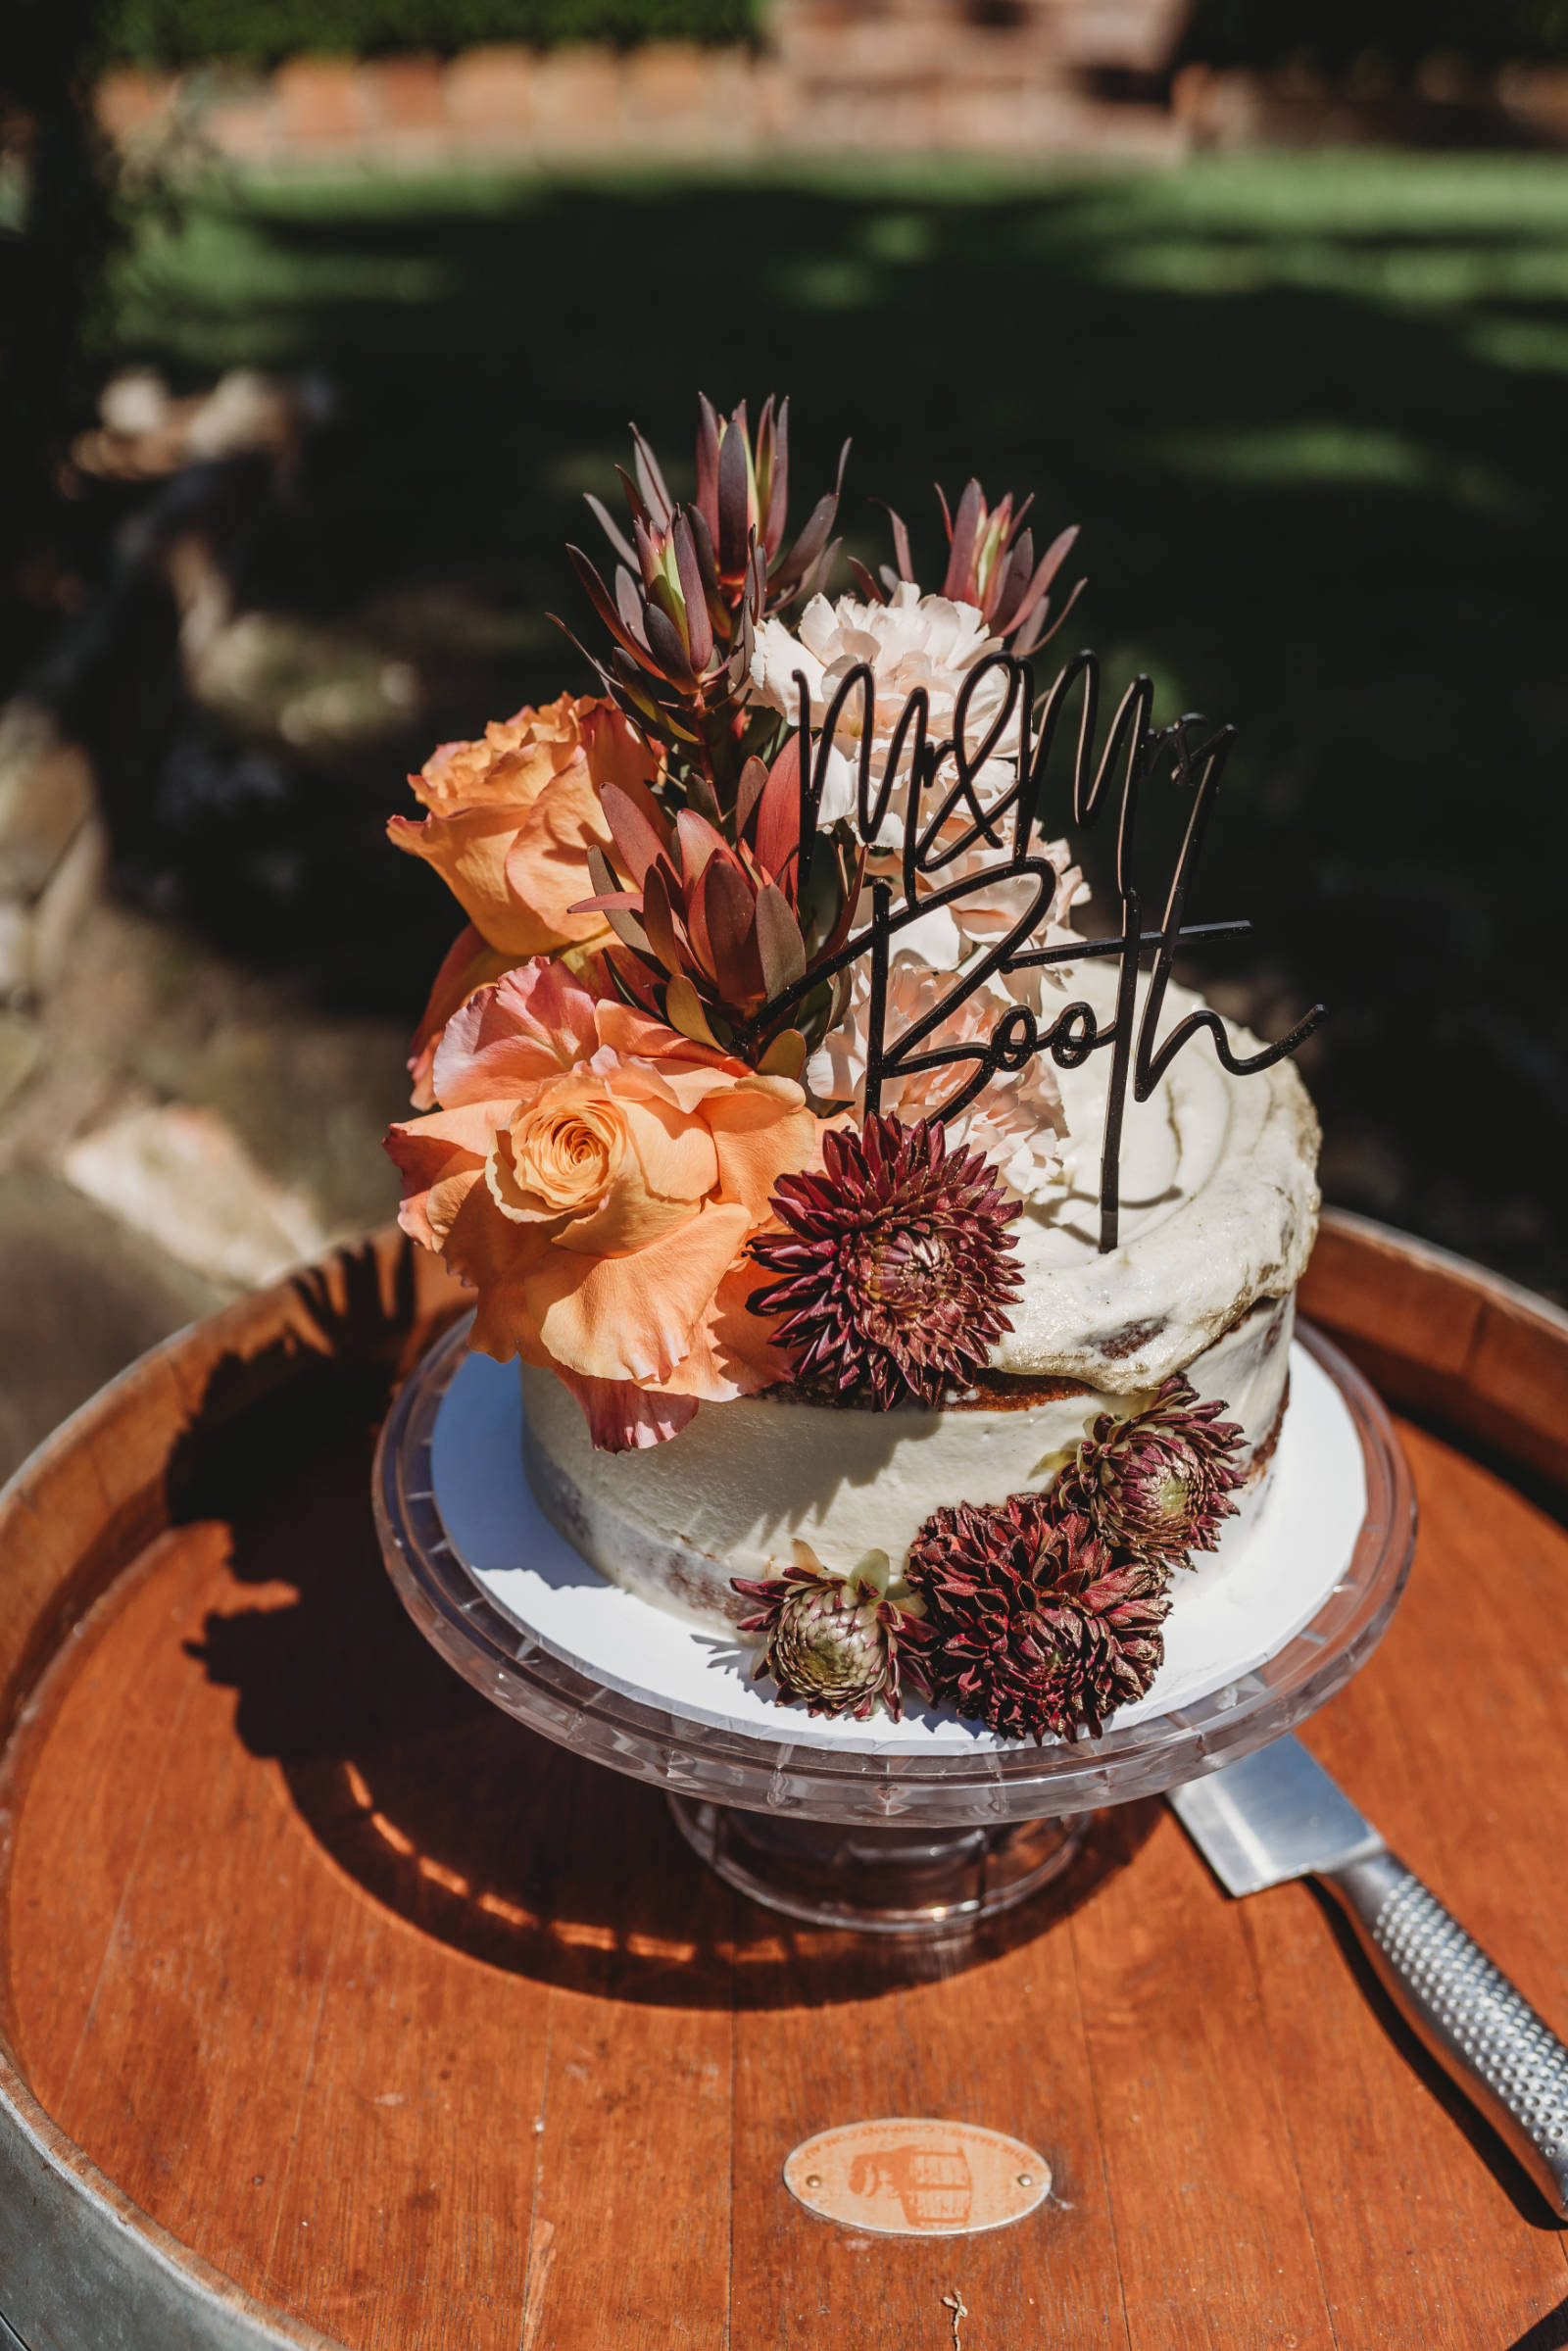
<point x="438" y="1806"/>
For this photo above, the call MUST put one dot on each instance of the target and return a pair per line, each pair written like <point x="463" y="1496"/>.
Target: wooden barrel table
<point x="338" y="2009"/>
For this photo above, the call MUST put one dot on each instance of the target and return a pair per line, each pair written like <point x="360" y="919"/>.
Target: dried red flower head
<point x="836" y="1641"/>
<point x="895" y="1265"/>
<point x="1160" y="1483"/>
<point x="1032" y="1625"/>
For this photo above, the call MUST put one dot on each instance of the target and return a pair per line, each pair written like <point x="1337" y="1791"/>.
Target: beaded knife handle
<point x="1485" y="2034"/>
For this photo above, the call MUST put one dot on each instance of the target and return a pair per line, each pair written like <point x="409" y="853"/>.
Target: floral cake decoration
<point x="743" y="1065"/>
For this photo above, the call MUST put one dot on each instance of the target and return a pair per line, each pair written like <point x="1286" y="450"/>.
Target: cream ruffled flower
<point x="1017" y="1122"/>
<point x="988" y="912"/>
<point x="912" y="641"/>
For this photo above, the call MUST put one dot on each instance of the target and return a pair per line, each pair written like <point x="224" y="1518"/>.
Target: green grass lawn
<point x="1312" y="413"/>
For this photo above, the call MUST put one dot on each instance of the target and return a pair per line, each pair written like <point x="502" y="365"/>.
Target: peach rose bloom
<point x="469" y="963"/>
<point x="596" y="1176"/>
<point x="512" y="818"/>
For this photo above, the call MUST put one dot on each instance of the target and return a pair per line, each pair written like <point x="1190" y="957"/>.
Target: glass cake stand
<point x="891" y="1844"/>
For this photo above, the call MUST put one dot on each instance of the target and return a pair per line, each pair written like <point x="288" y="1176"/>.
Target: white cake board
<point x="1231" y="1615"/>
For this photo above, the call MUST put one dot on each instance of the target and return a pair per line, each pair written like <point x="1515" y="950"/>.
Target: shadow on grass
<point x="1309" y="416"/>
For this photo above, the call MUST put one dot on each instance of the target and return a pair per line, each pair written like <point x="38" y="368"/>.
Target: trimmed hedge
<point x="258" y="32"/>
<point x="1332" y="34"/>
<point x="1335" y="34"/>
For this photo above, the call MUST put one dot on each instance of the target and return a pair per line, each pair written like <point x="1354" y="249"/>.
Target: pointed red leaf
<point x="1008" y="584"/>
<point x="702" y="540"/>
<point x="634" y="497"/>
<point x="638" y="844"/>
<point x="776" y="513"/>
<point x="810" y="545"/>
<point x="708" y="463"/>
<point x="610" y="526"/>
<point x="661" y="505"/>
<point x="780" y="949"/>
<point x="1034" y="631"/>
<point x="901" y="545"/>
<point x="658" y="920"/>
<point x="734" y="517"/>
<point x="778" y="816"/>
<point x="753" y="776"/>
<point x="629" y="604"/>
<point x="666" y="644"/>
<point x="633" y="981"/>
<point x="818" y="574"/>
<point x="763" y="458"/>
<point x="699" y="628"/>
<point x="599" y="597"/>
<point x="729" y="914"/>
<point x="966" y="524"/>
<point x="696" y="842"/>
<point x="1050" y="565"/>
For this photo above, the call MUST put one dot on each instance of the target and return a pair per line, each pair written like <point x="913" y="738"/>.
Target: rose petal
<point x="623" y="1417"/>
<point x="469" y="963"/>
<point x="638" y="1034"/>
<point x="508" y="1038"/>
<point x="429" y="1151"/>
<point x="547" y="862"/>
<point x="732" y="1351"/>
<point x="633" y="1317"/>
<point x="677" y="1153"/>
<point x="760" y="1131"/>
<point x="495" y="1258"/>
<point x="469" y="852"/>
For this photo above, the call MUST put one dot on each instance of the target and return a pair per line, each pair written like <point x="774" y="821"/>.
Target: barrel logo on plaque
<point x="912" y="2176"/>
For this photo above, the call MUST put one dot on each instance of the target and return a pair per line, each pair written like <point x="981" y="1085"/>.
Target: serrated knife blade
<point x="1276" y="1815"/>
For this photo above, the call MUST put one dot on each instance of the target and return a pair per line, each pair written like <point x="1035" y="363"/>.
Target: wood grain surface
<point x="429" y="2034"/>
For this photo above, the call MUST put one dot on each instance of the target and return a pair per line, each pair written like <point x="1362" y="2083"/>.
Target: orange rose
<point x="466" y="965"/>
<point x="512" y="816"/>
<point x="596" y="1176"/>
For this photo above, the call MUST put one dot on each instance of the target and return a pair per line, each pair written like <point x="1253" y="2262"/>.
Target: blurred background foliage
<point x="1331" y="35"/>
<point x="1306" y="407"/>
<point x="58" y="225"/>
<point x="1308" y="412"/>
<point x="261" y="32"/>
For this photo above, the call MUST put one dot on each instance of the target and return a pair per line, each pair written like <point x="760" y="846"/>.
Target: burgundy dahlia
<point x="1157" y="1485"/>
<point x="837" y="1641"/>
<point x="1032" y="1625"/>
<point x="895" y="1265"/>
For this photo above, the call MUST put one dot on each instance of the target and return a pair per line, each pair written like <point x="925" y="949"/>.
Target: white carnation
<point x="912" y="641"/>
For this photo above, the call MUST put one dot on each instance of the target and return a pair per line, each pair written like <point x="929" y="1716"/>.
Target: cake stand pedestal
<point x="878" y="1880"/>
<point x="843" y="1834"/>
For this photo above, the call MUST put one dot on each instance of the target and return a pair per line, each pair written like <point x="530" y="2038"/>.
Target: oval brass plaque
<point x="911" y="2176"/>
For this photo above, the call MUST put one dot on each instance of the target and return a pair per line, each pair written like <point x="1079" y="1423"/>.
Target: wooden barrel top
<point x="339" y="2008"/>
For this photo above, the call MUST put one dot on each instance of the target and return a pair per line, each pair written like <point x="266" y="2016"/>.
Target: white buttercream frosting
<point x="1219" y="1208"/>
<point x="1219" y="1205"/>
<point x="737" y="1488"/>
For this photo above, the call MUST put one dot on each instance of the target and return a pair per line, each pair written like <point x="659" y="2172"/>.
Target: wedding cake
<point x="897" y="1275"/>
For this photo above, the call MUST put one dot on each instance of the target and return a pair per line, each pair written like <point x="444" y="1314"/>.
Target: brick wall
<point x="1004" y="76"/>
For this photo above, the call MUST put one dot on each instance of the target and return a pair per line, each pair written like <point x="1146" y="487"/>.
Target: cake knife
<point x="1276" y="1815"/>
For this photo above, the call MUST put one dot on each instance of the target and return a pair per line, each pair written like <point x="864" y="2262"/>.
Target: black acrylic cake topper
<point x="1016" y="1036"/>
